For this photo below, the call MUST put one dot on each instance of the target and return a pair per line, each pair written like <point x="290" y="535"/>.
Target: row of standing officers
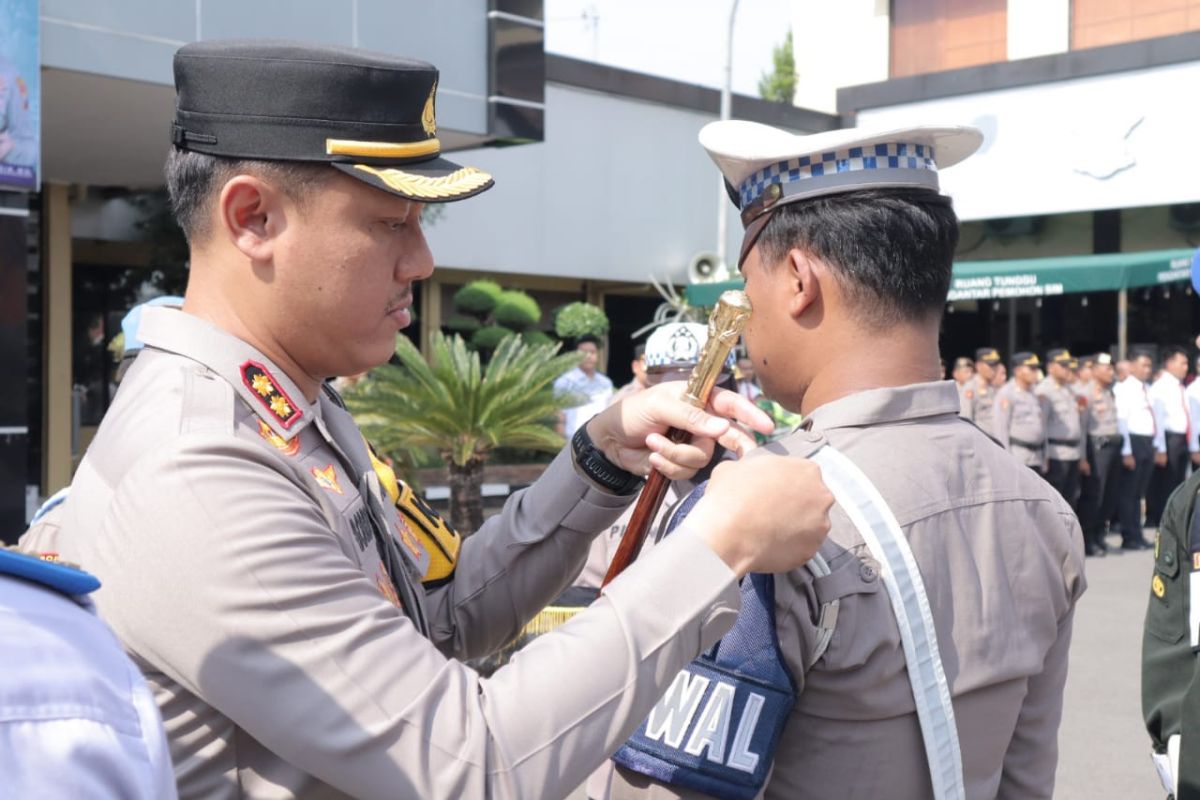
<point x="1104" y="435"/>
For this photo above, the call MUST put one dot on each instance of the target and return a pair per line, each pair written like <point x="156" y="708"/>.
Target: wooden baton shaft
<point x="724" y="327"/>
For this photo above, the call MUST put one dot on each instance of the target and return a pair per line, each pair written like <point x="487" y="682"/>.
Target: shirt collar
<point x="270" y="393"/>
<point x="1169" y="379"/>
<point x="891" y="404"/>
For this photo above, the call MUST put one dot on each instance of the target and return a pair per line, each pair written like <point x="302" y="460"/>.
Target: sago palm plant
<point x="454" y="406"/>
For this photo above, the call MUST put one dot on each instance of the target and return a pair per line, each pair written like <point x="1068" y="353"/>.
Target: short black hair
<point x="892" y="250"/>
<point x="1170" y="351"/>
<point x="587" y="337"/>
<point x="193" y="178"/>
<point x="639" y="350"/>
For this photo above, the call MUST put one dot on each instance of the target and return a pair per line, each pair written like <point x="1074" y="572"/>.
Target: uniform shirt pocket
<point x="1166" y="618"/>
<point x="855" y="582"/>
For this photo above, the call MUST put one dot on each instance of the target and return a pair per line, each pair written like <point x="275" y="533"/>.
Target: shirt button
<point x="1168" y="558"/>
<point x="867" y="572"/>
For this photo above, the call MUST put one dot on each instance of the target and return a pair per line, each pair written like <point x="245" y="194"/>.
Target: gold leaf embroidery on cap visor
<point x="461" y="181"/>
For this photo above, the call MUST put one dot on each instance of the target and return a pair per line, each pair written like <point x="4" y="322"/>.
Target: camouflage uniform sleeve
<point x="1170" y="684"/>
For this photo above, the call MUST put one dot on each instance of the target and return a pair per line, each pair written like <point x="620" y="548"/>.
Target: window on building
<point x="935" y="35"/>
<point x="1095" y="23"/>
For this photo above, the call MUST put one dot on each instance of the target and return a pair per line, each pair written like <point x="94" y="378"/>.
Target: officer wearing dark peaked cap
<point x="296" y="609"/>
<point x="978" y="394"/>
<point x="1066" y="422"/>
<point x="1021" y="413"/>
<point x="895" y="674"/>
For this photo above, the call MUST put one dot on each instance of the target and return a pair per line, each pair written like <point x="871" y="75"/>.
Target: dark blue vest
<point x="716" y="728"/>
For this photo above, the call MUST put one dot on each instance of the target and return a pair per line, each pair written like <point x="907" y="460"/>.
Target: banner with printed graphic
<point x="20" y="95"/>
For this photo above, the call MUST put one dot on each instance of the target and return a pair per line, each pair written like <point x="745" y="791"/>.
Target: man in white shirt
<point x="1193" y="397"/>
<point x="1174" y="421"/>
<point x="592" y="386"/>
<point x="1142" y="447"/>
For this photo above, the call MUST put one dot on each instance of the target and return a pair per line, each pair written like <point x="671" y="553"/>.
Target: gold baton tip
<point x="725" y="325"/>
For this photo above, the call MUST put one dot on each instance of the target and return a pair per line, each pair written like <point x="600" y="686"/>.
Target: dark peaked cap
<point x="370" y="115"/>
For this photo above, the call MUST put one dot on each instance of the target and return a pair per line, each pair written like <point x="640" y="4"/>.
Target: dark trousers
<point x="1064" y="476"/>
<point x="1098" y="500"/>
<point x="1165" y="479"/>
<point x="1133" y="487"/>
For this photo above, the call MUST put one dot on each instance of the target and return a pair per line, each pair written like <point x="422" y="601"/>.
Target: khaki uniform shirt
<point x="231" y="522"/>
<point x="1102" y="410"/>
<point x="1065" y="420"/>
<point x="1021" y="416"/>
<point x="1001" y="556"/>
<point x="978" y="398"/>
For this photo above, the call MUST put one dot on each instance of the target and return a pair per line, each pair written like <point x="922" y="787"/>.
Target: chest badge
<point x="386" y="587"/>
<point x="327" y="478"/>
<point x="269" y="394"/>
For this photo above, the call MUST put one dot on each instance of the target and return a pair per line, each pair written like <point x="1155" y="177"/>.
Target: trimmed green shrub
<point x="580" y="319"/>
<point x="489" y="337"/>
<point x="477" y="297"/>
<point x="536" y="337"/>
<point x="517" y="310"/>
<point x="461" y="323"/>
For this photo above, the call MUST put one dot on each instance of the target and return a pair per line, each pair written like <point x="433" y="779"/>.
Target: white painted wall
<point x="836" y="44"/>
<point x="620" y="190"/>
<point x="1038" y="27"/>
<point x="1114" y="141"/>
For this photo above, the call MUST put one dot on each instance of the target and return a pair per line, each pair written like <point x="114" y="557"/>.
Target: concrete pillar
<point x="57" y="380"/>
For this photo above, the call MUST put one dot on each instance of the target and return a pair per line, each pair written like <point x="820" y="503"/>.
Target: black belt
<point x="1066" y="442"/>
<point x="1105" y="441"/>
<point x="1026" y="445"/>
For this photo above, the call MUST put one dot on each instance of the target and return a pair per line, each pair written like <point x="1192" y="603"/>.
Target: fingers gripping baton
<point x="724" y="327"/>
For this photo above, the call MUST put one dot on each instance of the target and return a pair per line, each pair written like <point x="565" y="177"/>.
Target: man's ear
<point x="804" y="281"/>
<point x="251" y="213"/>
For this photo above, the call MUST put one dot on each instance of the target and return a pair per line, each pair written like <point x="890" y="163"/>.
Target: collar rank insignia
<point x="327" y="478"/>
<point x="289" y="447"/>
<point x="270" y="395"/>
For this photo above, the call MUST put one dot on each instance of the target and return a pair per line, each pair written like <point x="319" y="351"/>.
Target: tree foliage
<point x="779" y="86"/>
<point x="580" y="319"/>
<point x="451" y="405"/>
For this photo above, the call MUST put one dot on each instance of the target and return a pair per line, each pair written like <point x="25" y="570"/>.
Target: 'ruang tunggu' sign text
<point x="993" y="287"/>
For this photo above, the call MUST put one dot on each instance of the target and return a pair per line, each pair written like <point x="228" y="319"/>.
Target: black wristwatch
<point x="596" y="466"/>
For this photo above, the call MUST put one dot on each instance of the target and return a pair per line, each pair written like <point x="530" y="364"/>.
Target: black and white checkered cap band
<point x="890" y="163"/>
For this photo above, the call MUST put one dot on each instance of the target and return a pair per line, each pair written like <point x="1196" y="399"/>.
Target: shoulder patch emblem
<point x="1158" y="587"/>
<point x="289" y="447"/>
<point x="327" y="478"/>
<point x="968" y="394"/>
<point x="270" y="395"/>
<point x="1004" y="404"/>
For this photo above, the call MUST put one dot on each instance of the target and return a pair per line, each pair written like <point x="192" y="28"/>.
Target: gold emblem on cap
<point x="428" y="121"/>
<point x="348" y="147"/>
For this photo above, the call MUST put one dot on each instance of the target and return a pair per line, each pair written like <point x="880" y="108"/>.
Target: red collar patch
<point x="274" y="400"/>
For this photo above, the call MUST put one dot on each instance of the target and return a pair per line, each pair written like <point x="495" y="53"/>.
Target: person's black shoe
<point x="1137" y="544"/>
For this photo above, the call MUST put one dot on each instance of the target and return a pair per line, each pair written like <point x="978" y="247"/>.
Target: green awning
<point x="1035" y="277"/>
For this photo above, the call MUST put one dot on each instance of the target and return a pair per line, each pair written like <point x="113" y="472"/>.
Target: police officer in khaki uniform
<point x="978" y="394"/>
<point x="299" y="629"/>
<point x="1021" y="414"/>
<point x="1098" y="499"/>
<point x="1065" y="423"/>
<point x="847" y="266"/>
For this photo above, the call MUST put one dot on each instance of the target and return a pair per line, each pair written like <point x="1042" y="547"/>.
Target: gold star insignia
<point x="262" y="384"/>
<point x="281" y="407"/>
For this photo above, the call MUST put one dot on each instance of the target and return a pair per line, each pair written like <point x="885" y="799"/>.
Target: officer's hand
<point x="764" y="514"/>
<point x="1160" y="459"/>
<point x="1128" y="462"/>
<point x="1196" y="459"/>
<point x="631" y="433"/>
<point x="1085" y="469"/>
